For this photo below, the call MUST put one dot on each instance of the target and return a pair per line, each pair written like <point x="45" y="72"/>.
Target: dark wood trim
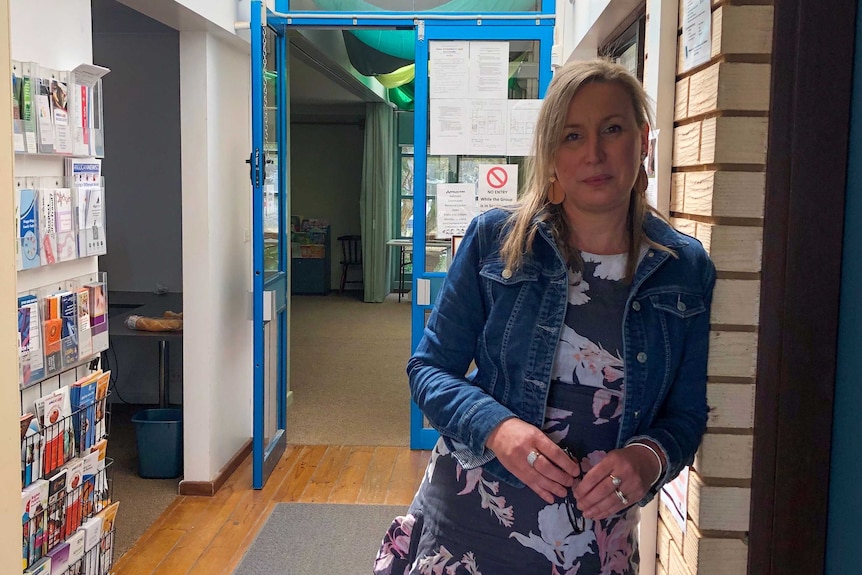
<point x="633" y="27"/>
<point x="210" y="488"/>
<point x="812" y="64"/>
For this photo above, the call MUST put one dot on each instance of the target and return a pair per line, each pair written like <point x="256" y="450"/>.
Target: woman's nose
<point x="593" y="150"/>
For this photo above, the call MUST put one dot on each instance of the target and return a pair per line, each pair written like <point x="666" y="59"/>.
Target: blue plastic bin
<point x="159" y="435"/>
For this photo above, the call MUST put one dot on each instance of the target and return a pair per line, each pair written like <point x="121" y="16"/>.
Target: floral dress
<point x="469" y="522"/>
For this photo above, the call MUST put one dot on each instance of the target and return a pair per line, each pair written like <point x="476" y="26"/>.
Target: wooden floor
<point x="209" y="535"/>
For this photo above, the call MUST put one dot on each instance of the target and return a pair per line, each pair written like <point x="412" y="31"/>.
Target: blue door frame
<point x="267" y="450"/>
<point x="427" y="26"/>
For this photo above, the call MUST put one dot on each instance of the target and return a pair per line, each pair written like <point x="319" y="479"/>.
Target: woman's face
<point x="598" y="158"/>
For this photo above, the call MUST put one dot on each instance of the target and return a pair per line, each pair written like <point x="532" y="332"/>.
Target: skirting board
<point x="209" y="488"/>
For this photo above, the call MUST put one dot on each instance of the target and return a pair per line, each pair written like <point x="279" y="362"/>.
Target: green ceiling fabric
<point x="399" y="77"/>
<point x="400" y="43"/>
<point x="368" y="60"/>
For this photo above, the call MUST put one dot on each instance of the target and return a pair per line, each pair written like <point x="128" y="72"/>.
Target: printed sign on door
<point x="497" y="186"/>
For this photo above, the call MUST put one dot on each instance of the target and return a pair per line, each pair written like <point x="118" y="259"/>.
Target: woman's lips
<point x="597" y="180"/>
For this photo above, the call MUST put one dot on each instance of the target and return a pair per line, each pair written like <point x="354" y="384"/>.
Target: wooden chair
<point x="351" y="256"/>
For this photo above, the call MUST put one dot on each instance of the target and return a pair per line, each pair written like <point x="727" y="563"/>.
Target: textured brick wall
<point x="717" y="195"/>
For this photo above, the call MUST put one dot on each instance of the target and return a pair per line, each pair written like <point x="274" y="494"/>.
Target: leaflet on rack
<point x="86" y="178"/>
<point x="47" y="228"/>
<point x="83" y="80"/>
<point x="30" y="340"/>
<point x="27" y="109"/>
<point x="19" y="142"/>
<point x="42" y="91"/>
<point x="27" y="201"/>
<point x="64" y="222"/>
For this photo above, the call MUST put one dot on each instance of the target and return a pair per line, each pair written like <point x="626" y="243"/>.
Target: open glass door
<point x="268" y="168"/>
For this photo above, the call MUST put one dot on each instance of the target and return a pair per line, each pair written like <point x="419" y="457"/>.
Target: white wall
<point x="326" y="179"/>
<point x="222" y="14"/>
<point x="584" y="25"/>
<point x="216" y="16"/>
<point x="217" y="374"/>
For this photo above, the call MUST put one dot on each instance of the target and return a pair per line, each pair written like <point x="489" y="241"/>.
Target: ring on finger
<point x="621" y="496"/>
<point x="615" y="480"/>
<point x="532" y="457"/>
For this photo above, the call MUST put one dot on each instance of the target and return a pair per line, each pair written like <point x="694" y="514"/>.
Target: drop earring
<point x="553" y="192"/>
<point x="641" y="182"/>
<point x="642" y="179"/>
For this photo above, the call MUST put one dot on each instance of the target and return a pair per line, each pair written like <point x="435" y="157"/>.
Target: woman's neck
<point x="600" y="234"/>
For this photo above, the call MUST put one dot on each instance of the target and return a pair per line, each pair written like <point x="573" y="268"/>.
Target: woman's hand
<point x="619" y="480"/>
<point x="551" y="473"/>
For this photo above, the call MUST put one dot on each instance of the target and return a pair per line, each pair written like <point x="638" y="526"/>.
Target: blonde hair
<point x="533" y="206"/>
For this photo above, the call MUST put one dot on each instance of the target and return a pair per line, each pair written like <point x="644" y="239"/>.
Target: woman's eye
<point x="571" y="137"/>
<point x="614" y="129"/>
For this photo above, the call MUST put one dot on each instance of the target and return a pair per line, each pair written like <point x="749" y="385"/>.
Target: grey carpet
<point x="347" y="361"/>
<point x="307" y="538"/>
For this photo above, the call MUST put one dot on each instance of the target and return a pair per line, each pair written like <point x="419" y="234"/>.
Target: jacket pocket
<point x="681" y="305"/>
<point x="496" y="271"/>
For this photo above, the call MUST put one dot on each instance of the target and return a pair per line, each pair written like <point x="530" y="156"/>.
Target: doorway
<point x="347" y="357"/>
<point x="144" y="261"/>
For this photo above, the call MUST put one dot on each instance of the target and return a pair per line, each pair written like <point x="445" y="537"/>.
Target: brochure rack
<point x="57" y="111"/>
<point x="61" y="326"/>
<point x="67" y="510"/>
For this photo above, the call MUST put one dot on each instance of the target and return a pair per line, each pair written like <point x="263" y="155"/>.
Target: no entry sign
<point x="497" y="177"/>
<point x="497" y="186"/>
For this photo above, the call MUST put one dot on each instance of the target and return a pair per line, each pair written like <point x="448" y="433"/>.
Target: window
<point x="625" y="45"/>
<point x="441" y="169"/>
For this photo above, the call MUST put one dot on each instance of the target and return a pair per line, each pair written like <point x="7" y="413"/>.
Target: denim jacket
<point x="509" y="323"/>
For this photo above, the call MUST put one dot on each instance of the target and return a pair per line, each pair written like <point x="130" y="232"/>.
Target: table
<point x="152" y="305"/>
<point x="405" y="247"/>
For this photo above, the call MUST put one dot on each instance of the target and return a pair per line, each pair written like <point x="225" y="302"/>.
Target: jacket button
<point x="650" y="254"/>
<point x="507" y="273"/>
<point x="680" y="306"/>
<point x="642" y="357"/>
<point x="637" y="414"/>
<point x="636" y="305"/>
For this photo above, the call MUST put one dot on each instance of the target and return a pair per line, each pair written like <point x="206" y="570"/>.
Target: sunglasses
<point x="577" y="520"/>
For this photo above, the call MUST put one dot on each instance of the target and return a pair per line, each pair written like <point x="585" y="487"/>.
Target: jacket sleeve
<point x="459" y="409"/>
<point x="680" y="421"/>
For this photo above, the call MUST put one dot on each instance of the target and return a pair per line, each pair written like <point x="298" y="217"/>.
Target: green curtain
<point x="375" y="200"/>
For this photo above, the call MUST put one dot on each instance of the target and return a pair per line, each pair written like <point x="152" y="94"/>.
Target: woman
<point x="587" y="317"/>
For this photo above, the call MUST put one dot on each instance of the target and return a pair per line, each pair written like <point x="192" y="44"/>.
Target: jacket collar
<point x="660" y="232"/>
<point x="655" y="228"/>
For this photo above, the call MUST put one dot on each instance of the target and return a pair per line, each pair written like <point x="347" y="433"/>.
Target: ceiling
<point x="311" y="84"/>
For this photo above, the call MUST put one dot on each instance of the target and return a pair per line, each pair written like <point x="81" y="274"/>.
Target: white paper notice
<point x="696" y="32"/>
<point x="650" y="164"/>
<point x="450" y="127"/>
<point x="523" y="115"/>
<point x="448" y="69"/>
<point x="497" y="186"/>
<point x="488" y="127"/>
<point x="674" y="496"/>
<point x="489" y="70"/>
<point x="456" y="206"/>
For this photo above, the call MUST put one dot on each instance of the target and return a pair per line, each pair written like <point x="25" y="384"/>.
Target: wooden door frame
<point x="809" y="119"/>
